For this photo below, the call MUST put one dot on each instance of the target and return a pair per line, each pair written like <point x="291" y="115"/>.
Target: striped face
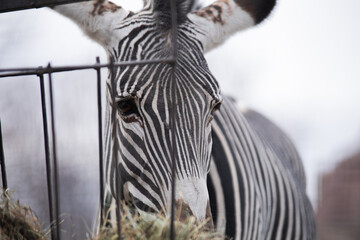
<point x="143" y="108"/>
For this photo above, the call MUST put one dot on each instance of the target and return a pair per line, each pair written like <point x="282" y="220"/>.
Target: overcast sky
<point x="301" y="68"/>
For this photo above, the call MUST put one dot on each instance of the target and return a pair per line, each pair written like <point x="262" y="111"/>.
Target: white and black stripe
<point x="263" y="194"/>
<point x="145" y="146"/>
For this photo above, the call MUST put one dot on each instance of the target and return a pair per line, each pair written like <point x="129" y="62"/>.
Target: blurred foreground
<point x="338" y="213"/>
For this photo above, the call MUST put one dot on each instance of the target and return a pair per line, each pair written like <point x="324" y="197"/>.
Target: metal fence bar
<point x="55" y="164"/>
<point x="115" y="147"/>
<point x="15" y="5"/>
<point x="13" y="72"/>
<point x="2" y="162"/>
<point x="173" y="115"/>
<point x="47" y="155"/>
<point x="100" y="136"/>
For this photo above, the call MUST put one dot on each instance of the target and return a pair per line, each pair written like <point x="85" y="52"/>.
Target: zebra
<point x="234" y="166"/>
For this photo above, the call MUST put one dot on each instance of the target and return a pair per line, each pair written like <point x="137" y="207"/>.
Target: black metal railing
<point x="2" y="162"/>
<point x="50" y="157"/>
<point x="15" y="5"/>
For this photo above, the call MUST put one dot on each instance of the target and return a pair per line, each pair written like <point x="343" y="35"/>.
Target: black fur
<point x="162" y="10"/>
<point x="259" y="9"/>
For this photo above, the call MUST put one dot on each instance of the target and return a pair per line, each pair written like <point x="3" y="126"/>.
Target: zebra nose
<point x="192" y="199"/>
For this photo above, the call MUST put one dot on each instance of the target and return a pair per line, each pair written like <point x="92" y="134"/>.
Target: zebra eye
<point x="216" y="107"/>
<point x="213" y="110"/>
<point x="127" y="107"/>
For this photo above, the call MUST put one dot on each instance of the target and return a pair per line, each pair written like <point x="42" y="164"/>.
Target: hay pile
<point x="19" y="222"/>
<point x="154" y="227"/>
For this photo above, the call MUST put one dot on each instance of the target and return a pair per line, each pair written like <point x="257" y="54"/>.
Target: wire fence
<point x="15" y="5"/>
<point x="49" y="127"/>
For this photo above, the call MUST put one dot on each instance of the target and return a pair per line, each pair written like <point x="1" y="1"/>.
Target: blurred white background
<point x="300" y="68"/>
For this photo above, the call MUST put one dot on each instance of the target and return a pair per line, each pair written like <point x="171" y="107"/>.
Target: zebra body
<point x="256" y="185"/>
<point x="256" y="182"/>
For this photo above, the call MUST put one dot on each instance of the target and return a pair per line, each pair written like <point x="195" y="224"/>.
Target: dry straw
<point x="20" y="223"/>
<point x="154" y="227"/>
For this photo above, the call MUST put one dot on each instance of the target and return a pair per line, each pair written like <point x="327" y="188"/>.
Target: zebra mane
<point x="162" y="11"/>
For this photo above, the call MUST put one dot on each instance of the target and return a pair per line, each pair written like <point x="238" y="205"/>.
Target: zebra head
<point x="143" y="102"/>
<point x="140" y="98"/>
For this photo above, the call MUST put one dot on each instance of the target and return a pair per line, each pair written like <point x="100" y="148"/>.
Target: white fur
<point x="194" y="192"/>
<point x="234" y="19"/>
<point x="98" y="27"/>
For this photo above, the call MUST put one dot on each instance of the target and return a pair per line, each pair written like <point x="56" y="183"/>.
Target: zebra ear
<point x="96" y="18"/>
<point x="224" y="17"/>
